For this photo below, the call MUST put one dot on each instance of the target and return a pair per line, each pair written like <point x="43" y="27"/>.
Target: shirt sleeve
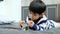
<point x="44" y="26"/>
<point x="39" y="27"/>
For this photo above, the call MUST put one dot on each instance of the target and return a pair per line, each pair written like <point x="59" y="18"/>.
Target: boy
<point x="36" y="19"/>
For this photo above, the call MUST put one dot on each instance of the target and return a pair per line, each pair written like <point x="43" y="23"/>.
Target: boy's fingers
<point x="30" y="23"/>
<point x="21" y="22"/>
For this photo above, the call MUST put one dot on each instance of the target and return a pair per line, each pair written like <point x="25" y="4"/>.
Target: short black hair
<point x="37" y="6"/>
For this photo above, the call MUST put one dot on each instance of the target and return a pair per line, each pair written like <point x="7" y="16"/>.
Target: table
<point x="15" y="29"/>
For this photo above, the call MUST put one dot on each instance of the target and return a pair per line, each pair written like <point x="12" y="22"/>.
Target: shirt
<point x="42" y="23"/>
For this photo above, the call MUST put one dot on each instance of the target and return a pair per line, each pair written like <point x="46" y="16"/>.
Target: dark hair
<point x="37" y="6"/>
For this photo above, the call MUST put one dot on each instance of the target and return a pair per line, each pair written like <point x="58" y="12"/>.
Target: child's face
<point x="34" y="16"/>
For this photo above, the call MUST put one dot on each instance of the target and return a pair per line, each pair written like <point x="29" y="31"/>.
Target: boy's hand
<point x="21" y="22"/>
<point x="30" y="23"/>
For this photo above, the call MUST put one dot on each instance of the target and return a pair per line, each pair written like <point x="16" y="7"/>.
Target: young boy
<point x="36" y="19"/>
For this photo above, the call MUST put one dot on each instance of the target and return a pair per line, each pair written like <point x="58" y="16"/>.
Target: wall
<point x="25" y="2"/>
<point x="49" y="2"/>
<point x="58" y="1"/>
<point x="59" y="12"/>
<point x="10" y="10"/>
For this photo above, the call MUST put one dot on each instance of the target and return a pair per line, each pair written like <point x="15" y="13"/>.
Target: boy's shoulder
<point x="43" y="19"/>
<point x="47" y="21"/>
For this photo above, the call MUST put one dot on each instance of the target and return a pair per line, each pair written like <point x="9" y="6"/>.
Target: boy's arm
<point x="43" y="26"/>
<point x="34" y="26"/>
<point x="39" y="27"/>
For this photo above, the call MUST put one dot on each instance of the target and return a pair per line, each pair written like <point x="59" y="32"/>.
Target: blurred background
<point x="10" y="10"/>
<point x="15" y="10"/>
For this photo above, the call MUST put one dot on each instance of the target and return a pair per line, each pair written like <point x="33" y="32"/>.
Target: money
<point x="25" y="26"/>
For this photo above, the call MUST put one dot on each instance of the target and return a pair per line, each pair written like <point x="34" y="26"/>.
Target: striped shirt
<point x="42" y="24"/>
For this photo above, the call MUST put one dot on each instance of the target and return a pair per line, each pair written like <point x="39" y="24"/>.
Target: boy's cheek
<point x="34" y="17"/>
<point x="31" y="16"/>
